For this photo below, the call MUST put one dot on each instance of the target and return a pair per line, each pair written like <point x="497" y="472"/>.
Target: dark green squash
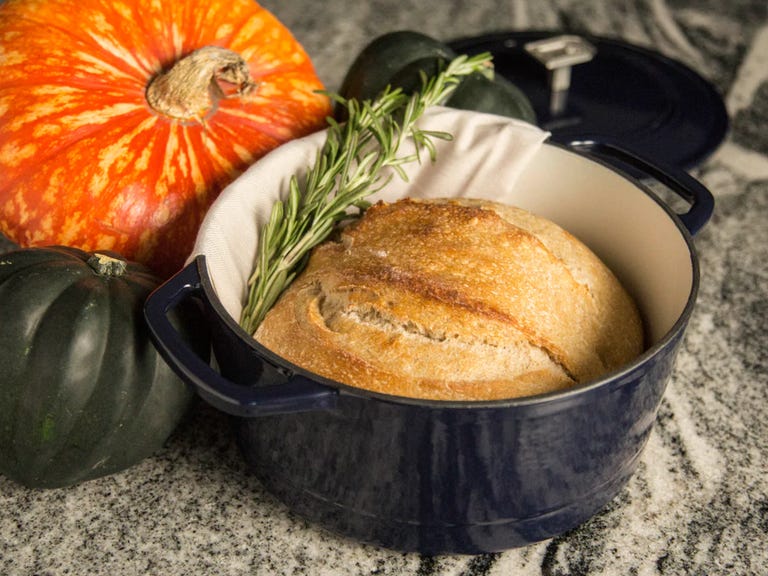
<point x="497" y="96"/>
<point x="398" y="59"/>
<point x="386" y="55"/>
<point x="83" y="391"/>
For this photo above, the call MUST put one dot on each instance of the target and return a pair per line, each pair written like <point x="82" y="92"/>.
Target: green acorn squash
<point x="399" y="58"/>
<point x="84" y="392"/>
<point x="386" y="55"/>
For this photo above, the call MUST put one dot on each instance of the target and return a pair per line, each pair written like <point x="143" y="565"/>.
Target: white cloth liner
<point x="483" y="160"/>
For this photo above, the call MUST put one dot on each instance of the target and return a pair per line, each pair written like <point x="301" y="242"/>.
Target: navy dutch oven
<point x="435" y="476"/>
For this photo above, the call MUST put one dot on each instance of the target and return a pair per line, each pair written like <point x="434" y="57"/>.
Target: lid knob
<point x="558" y="55"/>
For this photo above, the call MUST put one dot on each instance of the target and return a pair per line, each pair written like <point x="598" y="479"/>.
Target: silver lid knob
<point x="558" y="55"/>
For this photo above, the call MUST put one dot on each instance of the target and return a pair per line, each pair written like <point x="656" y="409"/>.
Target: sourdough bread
<point x="455" y="300"/>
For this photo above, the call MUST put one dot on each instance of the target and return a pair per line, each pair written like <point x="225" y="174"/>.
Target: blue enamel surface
<point x="434" y="479"/>
<point x="447" y="478"/>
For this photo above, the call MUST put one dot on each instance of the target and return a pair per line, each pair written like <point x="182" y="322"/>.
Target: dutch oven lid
<point x="588" y="87"/>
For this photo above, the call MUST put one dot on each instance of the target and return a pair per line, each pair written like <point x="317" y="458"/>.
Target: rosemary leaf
<point x="347" y="169"/>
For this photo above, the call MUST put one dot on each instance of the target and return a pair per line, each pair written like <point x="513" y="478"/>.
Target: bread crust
<point x="455" y="299"/>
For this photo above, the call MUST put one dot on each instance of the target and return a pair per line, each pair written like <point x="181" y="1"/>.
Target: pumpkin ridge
<point x="76" y="41"/>
<point x="229" y="40"/>
<point x="7" y="185"/>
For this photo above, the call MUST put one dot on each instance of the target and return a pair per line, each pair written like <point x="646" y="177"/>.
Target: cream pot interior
<point x="488" y="157"/>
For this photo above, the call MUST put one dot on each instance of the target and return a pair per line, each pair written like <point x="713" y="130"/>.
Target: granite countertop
<point x="698" y="503"/>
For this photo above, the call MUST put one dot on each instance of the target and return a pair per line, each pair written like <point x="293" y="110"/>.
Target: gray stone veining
<point x="698" y="503"/>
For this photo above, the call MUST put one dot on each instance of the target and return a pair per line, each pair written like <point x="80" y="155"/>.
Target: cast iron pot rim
<point x="582" y="391"/>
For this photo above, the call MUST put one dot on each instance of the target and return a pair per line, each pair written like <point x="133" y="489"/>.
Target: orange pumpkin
<point x="120" y="122"/>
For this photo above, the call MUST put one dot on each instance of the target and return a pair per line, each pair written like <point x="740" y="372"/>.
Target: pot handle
<point x="677" y="180"/>
<point x="297" y="394"/>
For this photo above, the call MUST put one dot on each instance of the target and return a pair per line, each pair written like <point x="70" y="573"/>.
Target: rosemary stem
<point x="348" y="168"/>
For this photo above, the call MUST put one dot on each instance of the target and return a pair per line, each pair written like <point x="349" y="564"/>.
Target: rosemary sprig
<point x="348" y="168"/>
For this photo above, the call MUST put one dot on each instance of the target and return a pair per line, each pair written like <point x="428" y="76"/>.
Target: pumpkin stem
<point x="106" y="265"/>
<point x="193" y="86"/>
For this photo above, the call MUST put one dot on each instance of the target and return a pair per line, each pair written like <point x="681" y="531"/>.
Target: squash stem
<point x="105" y="265"/>
<point x="191" y="89"/>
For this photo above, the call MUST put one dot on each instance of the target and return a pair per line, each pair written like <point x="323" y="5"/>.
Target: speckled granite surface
<point x="699" y="501"/>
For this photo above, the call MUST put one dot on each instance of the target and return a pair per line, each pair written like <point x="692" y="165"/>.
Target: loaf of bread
<point x="454" y="300"/>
